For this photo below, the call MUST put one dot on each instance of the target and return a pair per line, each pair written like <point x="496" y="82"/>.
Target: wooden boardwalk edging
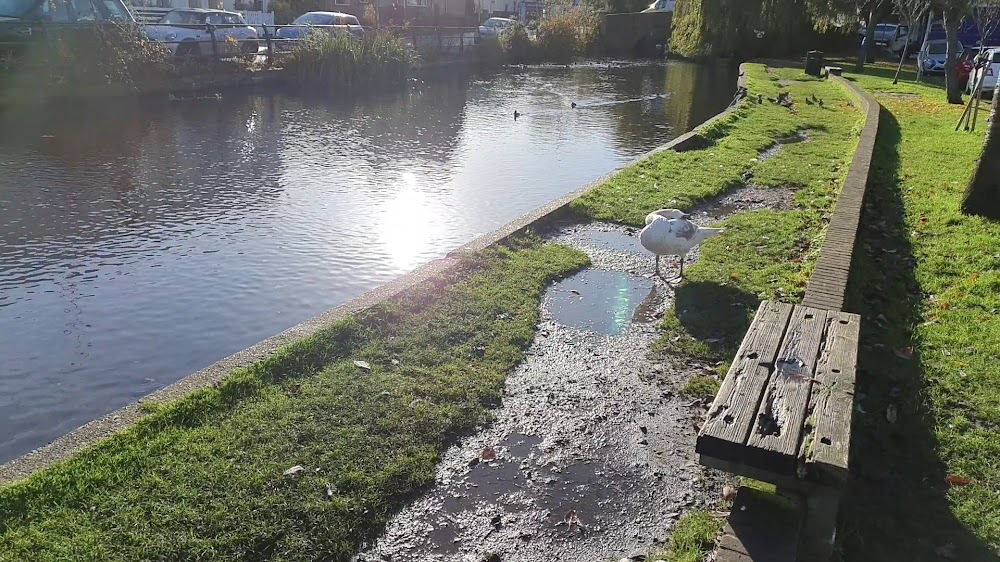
<point x="827" y="287"/>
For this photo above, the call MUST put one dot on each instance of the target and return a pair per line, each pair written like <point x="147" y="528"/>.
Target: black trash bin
<point x="814" y="63"/>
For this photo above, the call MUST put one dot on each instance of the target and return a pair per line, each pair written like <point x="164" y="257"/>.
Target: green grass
<point x="202" y="478"/>
<point x="694" y="534"/>
<point x="765" y="254"/>
<point x="928" y="277"/>
<point x="700" y="386"/>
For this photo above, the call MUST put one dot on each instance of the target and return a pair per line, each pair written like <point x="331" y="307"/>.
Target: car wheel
<point x="189" y="49"/>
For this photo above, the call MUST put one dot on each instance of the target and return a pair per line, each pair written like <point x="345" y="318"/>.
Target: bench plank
<point x="733" y="413"/>
<point x="827" y="447"/>
<point x="778" y="424"/>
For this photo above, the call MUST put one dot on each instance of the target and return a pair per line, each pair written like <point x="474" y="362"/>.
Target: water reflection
<point x="140" y="243"/>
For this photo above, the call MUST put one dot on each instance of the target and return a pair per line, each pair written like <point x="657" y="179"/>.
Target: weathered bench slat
<point x="733" y="413"/>
<point x="831" y="406"/>
<point x="778" y="424"/>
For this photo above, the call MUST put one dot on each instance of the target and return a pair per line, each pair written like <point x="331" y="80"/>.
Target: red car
<point x="964" y="65"/>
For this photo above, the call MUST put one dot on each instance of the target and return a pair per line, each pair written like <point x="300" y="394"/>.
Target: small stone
<point x="643" y="429"/>
<point x="363" y="365"/>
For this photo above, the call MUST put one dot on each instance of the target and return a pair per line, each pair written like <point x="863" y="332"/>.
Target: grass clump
<point x="692" y="538"/>
<point x="202" y="478"/>
<point x="557" y="38"/>
<point x="764" y="254"/>
<point x="700" y="386"/>
<point x="342" y="63"/>
<point x="927" y="283"/>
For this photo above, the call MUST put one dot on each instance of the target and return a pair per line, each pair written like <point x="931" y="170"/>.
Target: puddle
<point x="599" y="301"/>
<point x="801" y="136"/>
<point x="747" y="198"/>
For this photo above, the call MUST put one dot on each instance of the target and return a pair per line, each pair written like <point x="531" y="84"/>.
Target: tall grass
<point x="341" y="63"/>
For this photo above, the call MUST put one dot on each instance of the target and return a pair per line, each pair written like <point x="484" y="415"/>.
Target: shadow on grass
<point x="712" y="319"/>
<point x="896" y="506"/>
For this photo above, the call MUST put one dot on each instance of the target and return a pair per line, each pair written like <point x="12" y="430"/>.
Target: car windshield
<point x="349" y="20"/>
<point x="64" y="10"/>
<point x="314" y="19"/>
<point x="494" y="23"/>
<point x="937" y="48"/>
<point x="184" y="18"/>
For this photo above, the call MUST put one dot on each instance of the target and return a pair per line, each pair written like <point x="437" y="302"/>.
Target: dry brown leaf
<point x="489" y="453"/>
<point x="734" y="275"/>
<point x="957" y="480"/>
<point x="905" y="353"/>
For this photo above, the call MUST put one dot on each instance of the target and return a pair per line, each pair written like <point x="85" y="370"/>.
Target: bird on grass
<point x="673" y="237"/>
<point x="815" y="99"/>
<point x="809" y="101"/>
<point x="820" y="102"/>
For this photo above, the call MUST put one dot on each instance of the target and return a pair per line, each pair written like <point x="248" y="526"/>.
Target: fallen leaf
<point x="734" y="275"/>
<point x="905" y="353"/>
<point x="294" y="470"/>
<point x="363" y="365"/>
<point x="957" y="480"/>
<point x="891" y="413"/>
<point x="295" y="389"/>
<point x="697" y="427"/>
<point x="945" y="305"/>
<point x="488" y="453"/>
<point x="797" y="260"/>
<point x="570" y="515"/>
<point x="947" y="551"/>
<point x="974" y="276"/>
<point x="330" y="490"/>
<point x="729" y="493"/>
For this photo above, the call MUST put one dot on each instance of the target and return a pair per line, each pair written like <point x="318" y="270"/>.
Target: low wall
<point x="92" y="432"/>
<point x="827" y="287"/>
<point x="624" y="33"/>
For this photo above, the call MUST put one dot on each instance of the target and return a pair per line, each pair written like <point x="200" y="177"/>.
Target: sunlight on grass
<point x="202" y="478"/>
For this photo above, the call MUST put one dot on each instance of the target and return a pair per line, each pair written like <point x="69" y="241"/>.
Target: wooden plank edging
<point x="827" y="288"/>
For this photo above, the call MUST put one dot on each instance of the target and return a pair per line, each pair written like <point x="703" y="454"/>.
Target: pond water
<point x="141" y="243"/>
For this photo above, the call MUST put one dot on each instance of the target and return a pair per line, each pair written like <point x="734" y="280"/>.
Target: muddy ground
<point x="591" y="456"/>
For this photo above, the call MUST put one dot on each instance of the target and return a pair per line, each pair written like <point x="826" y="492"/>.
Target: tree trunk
<point x="982" y="196"/>
<point x="868" y="43"/>
<point x="951" y="23"/>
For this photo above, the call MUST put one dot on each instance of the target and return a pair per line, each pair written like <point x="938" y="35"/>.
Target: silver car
<point x="188" y="32"/>
<point x="933" y="55"/>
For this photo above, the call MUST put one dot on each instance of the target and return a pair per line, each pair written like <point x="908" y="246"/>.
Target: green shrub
<point x="516" y="46"/>
<point x="557" y="37"/>
<point x="66" y="60"/>
<point x="342" y="63"/>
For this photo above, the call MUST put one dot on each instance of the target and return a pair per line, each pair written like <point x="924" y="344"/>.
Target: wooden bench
<point x="783" y="412"/>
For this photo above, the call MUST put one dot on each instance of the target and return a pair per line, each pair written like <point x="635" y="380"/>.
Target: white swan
<point x="667" y="214"/>
<point x="673" y="237"/>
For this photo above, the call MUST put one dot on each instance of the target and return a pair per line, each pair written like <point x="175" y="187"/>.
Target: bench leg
<point x="819" y="528"/>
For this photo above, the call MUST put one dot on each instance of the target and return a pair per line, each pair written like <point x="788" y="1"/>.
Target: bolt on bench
<point x="783" y="413"/>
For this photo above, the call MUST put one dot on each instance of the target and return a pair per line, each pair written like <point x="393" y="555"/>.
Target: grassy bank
<point x="764" y="254"/>
<point x="204" y="478"/>
<point x="341" y="63"/>
<point x="928" y="286"/>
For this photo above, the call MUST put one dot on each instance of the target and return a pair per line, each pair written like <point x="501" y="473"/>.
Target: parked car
<point x="661" y="6"/>
<point x="933" y="54"/>
<point x="964" y="65"/>
<point x="495" y="26"/>
<point x="186" y="32"/>
<point x="22" y="21"/>
<point x="987" y="66"/>
<point x="331" y="22"/>
<point x="884" y="33"/>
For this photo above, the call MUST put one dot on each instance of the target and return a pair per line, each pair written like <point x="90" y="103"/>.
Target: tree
<point x="954" y="11"/>
<point x="912" y="12"/>
<point x="832" y="13"/>
<point x="987" y="16"/>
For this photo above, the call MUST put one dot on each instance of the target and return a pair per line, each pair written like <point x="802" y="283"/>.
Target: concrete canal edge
<point x="92" y="432"/>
